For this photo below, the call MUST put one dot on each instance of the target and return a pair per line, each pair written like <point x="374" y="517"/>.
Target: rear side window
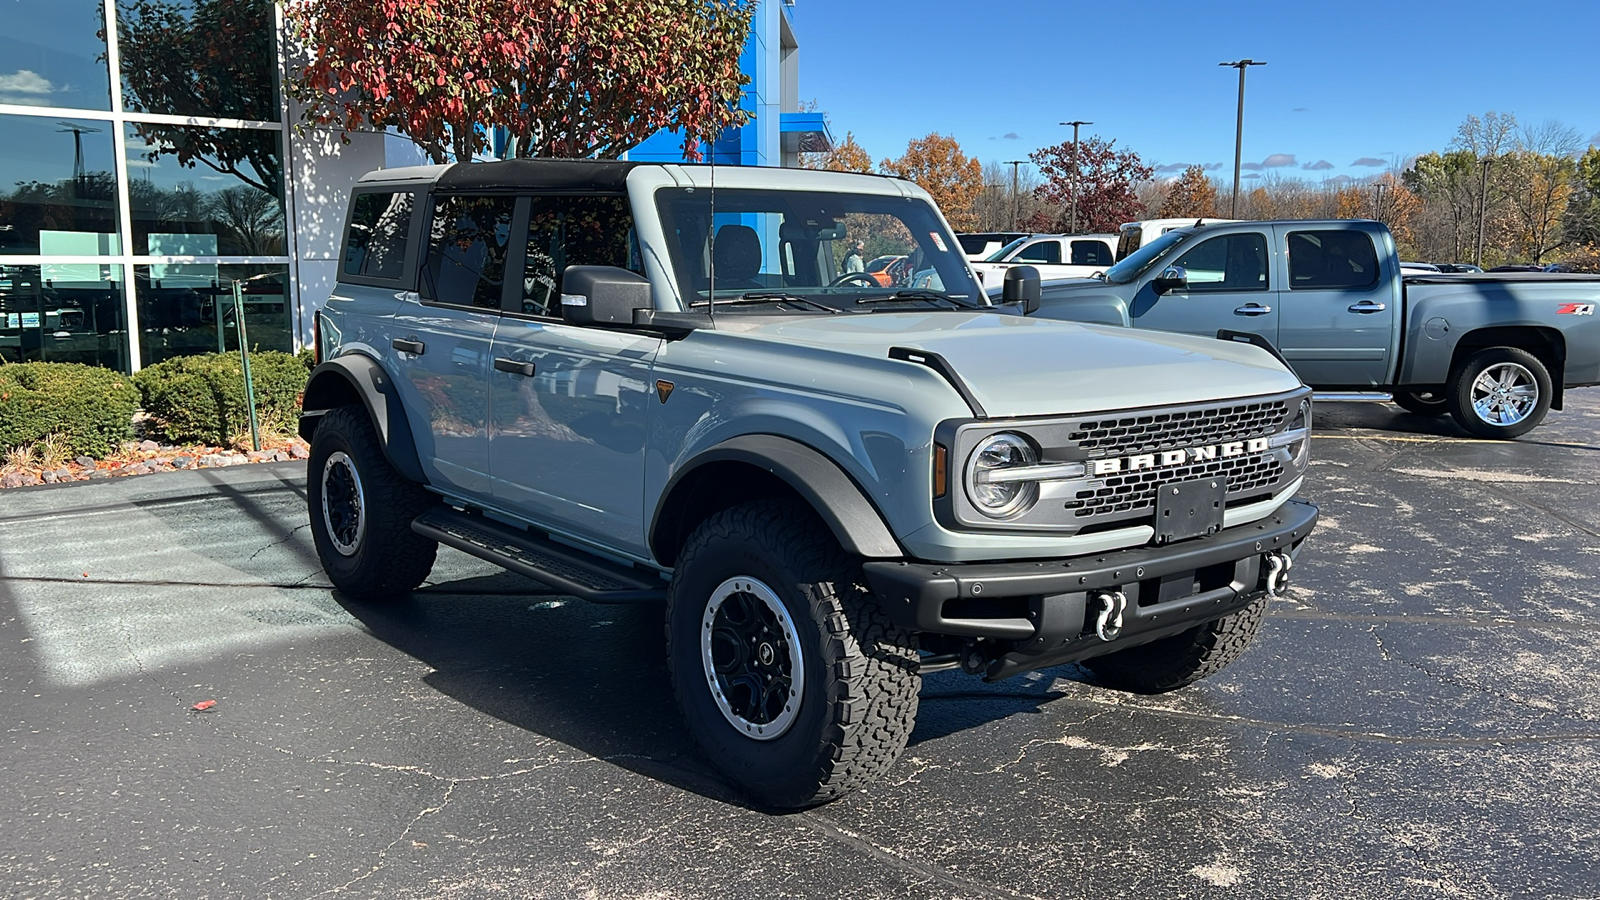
<point x="1048" y="252"/>
<point x="1332" y="259"/>
<point x="467" y="242"/>
<point x="1129" y="241"/>
<point x="1090" y="253"/>
<point x="574" y="231"/>
<point x="375" y="241"/>
<point x="1229" y="262"/>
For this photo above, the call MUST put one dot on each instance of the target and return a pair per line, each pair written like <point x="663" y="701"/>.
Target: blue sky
<point x="1344" y="83"/>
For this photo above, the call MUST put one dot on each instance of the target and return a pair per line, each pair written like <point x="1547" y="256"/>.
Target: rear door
<point x="1339" y="306"/>
<point x="1230" y="286"/>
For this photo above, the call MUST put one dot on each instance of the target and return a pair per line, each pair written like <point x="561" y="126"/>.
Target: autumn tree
<point x="1485" y="138"/>
<point x="1539" y="177"/>
<point x="936" y="163"/>
<point x="845" y="156"/>
<point x="565" y="79"/>
<point x="1191" y="194"/>
<point x="1583" y="210"/>
<point x="1447" y="184"/>
<point x="1105" y="179"/>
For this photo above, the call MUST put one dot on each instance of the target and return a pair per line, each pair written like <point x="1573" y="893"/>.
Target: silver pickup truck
<point x="658" y="384"/>
<point x="1495" y="351"/>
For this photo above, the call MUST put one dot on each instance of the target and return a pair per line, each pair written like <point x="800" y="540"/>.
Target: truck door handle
<point x="515" y="367"/>
<point x="1368" y="306"/>
<point x="1252" y="309"/>
<point x="415" y="348"/>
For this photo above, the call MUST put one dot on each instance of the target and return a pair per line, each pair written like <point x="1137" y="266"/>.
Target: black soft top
<point x="522" y="174"/>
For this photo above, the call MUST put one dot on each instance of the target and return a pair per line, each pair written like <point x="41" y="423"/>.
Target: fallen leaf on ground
<point x="203" y="705"/>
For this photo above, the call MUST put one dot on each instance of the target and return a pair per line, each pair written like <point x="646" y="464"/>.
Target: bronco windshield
<point x="809" y="251"/>
<point x="1139" y="261"/>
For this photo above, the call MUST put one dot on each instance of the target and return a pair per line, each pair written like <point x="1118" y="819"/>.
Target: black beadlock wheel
<point x="1182" y="659"/>
<point x="1500" y="393"/>
<point x="790" y="676"/>
<point x="361" y="510"/>
<point x="1423" y="403"/>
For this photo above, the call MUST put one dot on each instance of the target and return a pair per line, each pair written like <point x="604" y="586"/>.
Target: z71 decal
<point x="1576" y="309"/>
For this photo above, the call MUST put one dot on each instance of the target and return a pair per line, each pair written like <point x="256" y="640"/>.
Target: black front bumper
<point x="1039" y="610"/>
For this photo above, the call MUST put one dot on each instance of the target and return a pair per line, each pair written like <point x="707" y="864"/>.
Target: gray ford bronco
<point x="644" y="383"/>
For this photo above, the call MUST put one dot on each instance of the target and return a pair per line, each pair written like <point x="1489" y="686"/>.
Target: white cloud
<point x="1278" y="160"/>
<point x="1320" y="165"/>
<point x="25" y="81"/>
<point x="1369" y="162"/>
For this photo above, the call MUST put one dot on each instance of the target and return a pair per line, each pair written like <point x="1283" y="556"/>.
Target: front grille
<point x="1149" y="431"/>
<point x="1136" y="491"/>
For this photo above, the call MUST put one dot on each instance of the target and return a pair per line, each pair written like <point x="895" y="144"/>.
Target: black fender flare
<point x="841" y="504"/>
<point x="340" y="382"/>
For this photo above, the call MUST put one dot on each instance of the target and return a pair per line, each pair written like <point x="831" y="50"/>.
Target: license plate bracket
<point x="1190" y="509"/>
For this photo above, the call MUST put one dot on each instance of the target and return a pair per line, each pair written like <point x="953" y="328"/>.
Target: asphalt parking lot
<point x="1417" y="719"/>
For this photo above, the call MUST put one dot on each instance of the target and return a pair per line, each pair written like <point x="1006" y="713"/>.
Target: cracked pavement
<point x="1417" y="719"/>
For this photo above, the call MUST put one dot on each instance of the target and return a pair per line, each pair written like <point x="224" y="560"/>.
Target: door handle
<point x="515" y="367"/>
<point x="413" y="347"/>
<point x="1252" y="309"/>
<point x="1368" y="306"/>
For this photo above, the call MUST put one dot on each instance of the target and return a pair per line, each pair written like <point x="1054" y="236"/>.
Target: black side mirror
<point x="1022" y="288"/>
<point x="1172" y="278"/>
<point x="602" y="295"/>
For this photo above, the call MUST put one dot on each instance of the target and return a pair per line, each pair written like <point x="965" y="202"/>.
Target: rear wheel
<point x="1182" y="659"/>
<point x="1500" y="393"/>
<point x="1423" y="403"/>
<point x="361" y="510"/>
<point x="789" y="675"/>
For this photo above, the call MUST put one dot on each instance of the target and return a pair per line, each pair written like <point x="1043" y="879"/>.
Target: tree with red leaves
<point x="566" y="78"/>
<point x="1106" y="179"/>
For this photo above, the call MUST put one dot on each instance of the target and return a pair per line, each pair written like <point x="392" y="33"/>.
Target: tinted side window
<point x="574" y="231"/>
<point x="1048" y="252"/>
<point x="1090" y="253"/>
<point x="375" y="241"/>
<point x="1129" y="241"/>
<point x="467" y="242"/>
<point x="1229" y="262"/>
<point x="1332" y="259"/>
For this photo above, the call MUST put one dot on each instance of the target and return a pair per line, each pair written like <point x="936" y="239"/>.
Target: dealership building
<point x="142" y="176"/>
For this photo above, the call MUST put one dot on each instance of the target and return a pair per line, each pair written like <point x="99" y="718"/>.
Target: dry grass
<point x="18" y="459"/>
<point x="52" y="452"/>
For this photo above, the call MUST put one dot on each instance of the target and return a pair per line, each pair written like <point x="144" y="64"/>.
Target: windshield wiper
<point x="921" y="294"/>
<point x="771" y="297"/>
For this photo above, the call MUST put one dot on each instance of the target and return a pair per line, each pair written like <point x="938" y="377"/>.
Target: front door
<point x="570" y="405"/>
<point x="1339" y="308"/>
<point x="1230" y="287"/>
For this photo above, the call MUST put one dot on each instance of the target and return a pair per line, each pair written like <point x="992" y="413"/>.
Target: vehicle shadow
<point x="595" y="677"/>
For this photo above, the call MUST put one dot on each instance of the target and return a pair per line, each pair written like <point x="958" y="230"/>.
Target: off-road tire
<point x="1461" y="390"/>
<point x="1182" y="659"/>
<point x="388" y="557"/>
<point x="1423" y="403"/>
<point x="859" y="699"/>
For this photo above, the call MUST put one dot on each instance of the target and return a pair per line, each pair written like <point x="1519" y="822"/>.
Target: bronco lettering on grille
<point x="1169" y="458"/>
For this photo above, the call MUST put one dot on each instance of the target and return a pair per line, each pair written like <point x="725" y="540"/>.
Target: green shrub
<point x="89" y="407"/>
<point x="201" y="398"/>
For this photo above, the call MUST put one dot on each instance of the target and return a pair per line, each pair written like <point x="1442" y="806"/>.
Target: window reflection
<point x="54" y="54"/>
<point x="58" y="187"/>
<point x="181" y="307"/>
<point x="198" y="58"/>
<point x="205" y="191"/>
<point x="63" y="313"/>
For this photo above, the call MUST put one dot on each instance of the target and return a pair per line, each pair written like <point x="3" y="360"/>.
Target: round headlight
<point x="1001" y="499"/>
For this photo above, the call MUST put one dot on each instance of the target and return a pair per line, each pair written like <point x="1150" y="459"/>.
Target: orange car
<point x="883" y="270"/>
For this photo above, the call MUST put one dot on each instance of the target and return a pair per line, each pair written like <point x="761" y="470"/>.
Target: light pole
<point x="1483" y="207"/>
<point x="1016" y="212"/>
<point x="1075" y="124"/>
<point x="1379" y="186"/>
<point x="1238" y="135"/>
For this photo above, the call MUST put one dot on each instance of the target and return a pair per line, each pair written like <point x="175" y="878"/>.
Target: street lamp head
<point x="1240" y="64"/>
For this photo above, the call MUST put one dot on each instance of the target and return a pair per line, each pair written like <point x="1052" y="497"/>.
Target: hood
<point x="1018" y="366"/>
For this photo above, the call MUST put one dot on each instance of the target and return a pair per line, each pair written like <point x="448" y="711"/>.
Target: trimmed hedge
<point x="201" y="398"/>
<point x="90" y="406"/>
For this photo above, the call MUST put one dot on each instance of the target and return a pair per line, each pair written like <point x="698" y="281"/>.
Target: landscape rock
<point x="299" y="451"/>
<point x="18" y="479"/>
<point x="182" y="462"/>
<point x="259" y="455"/>
<point x="149" y="446"/>
<point x="85" y="461"/>
<point x="280" y="456"/>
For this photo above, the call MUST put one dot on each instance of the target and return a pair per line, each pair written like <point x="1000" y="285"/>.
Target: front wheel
<point x="789" y="674"/>
<point x="1500" y="393"/>
<point x="1422" y="403"/>
<point x="1182" y="659"/>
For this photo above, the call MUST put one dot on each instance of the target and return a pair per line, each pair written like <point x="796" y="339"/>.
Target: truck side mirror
<point x="1172" y="278"/>
<point x="1022" y="288"/>
<point x="602" y="295"/>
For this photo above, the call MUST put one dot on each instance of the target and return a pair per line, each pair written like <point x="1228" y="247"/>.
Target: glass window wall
<point x="187" y="308"/>
<point x="205" y="191"/>
<point x="63" y="313"/>
<point x="199" y="58"/>
<point x="58" y="187"/>
<point x="54" y="54"/>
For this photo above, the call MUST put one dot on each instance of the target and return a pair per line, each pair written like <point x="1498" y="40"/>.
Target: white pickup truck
<point x="1056" y="256"/>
